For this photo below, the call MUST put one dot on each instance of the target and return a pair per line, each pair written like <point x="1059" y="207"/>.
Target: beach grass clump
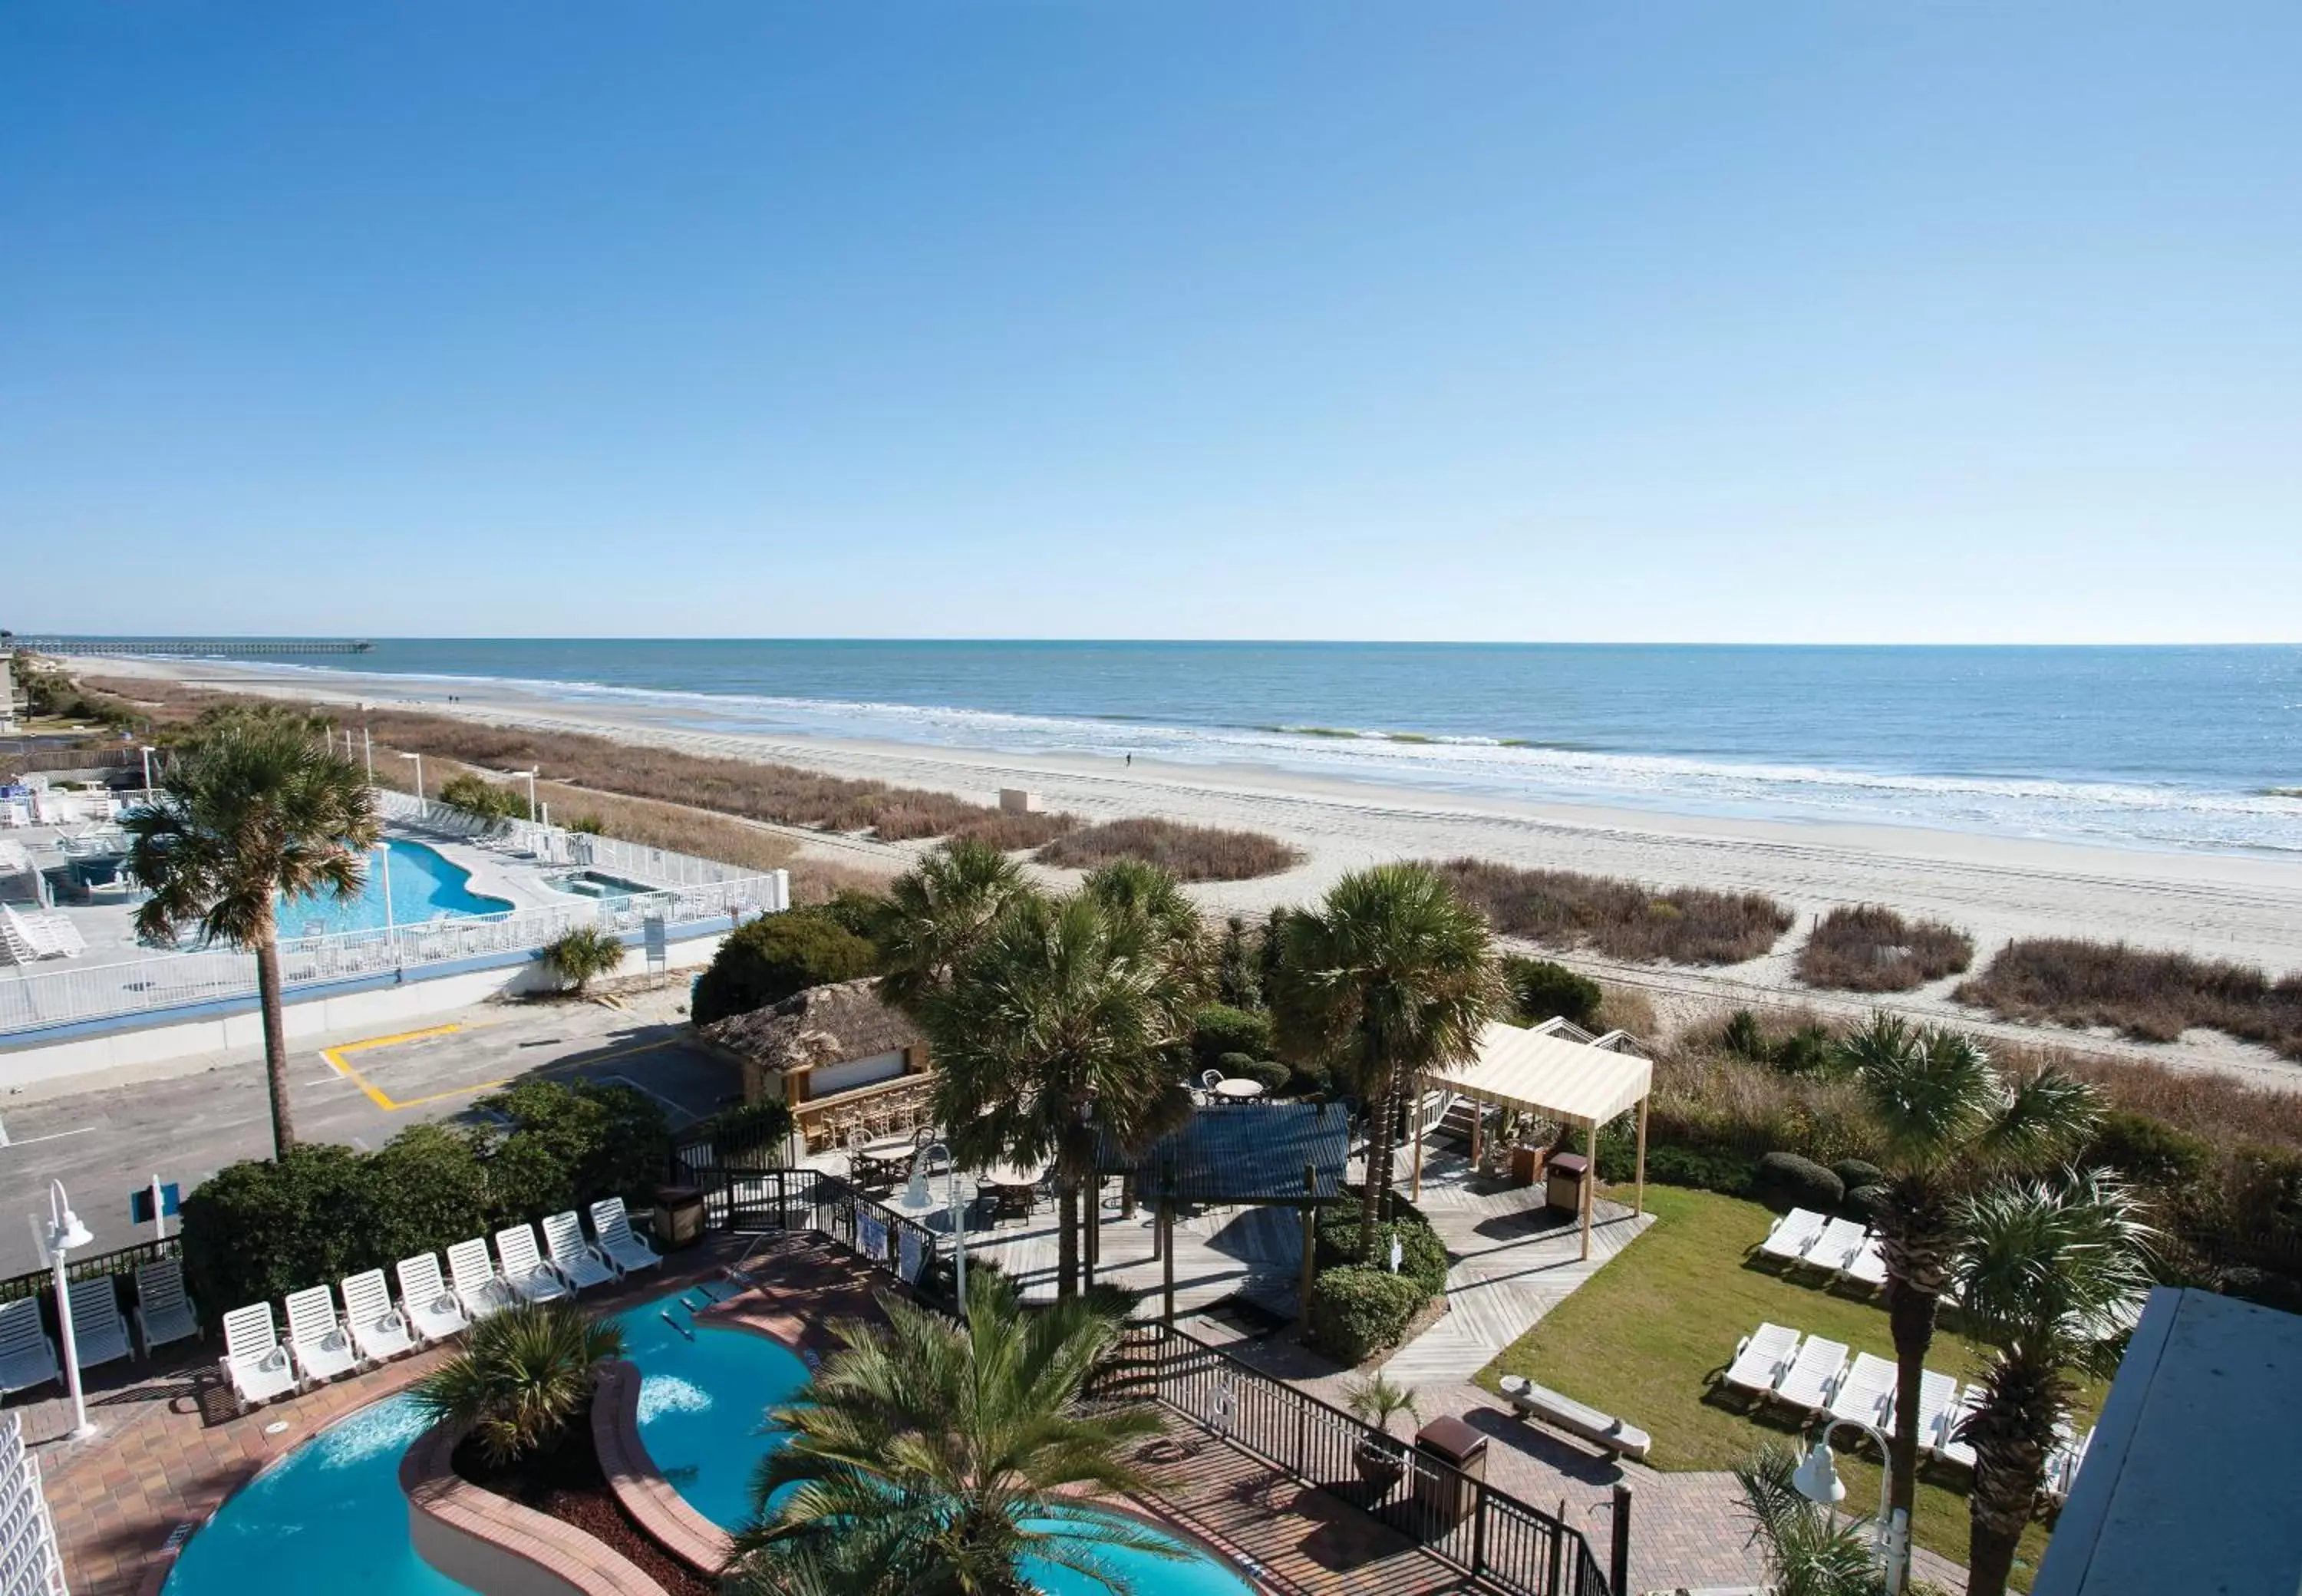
<point x="1187" y="852"/>
<point x="1010" y="832"/>
<point x="1868" y="947"/>
<point x="1619" y="918"/>
<point x="2149" y="995"/>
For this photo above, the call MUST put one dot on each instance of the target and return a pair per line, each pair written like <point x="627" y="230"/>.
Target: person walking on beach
<point x="1131" y="761"/>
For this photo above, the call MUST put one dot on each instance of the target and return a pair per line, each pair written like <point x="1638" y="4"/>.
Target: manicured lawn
<point x="1647" y="1337"/>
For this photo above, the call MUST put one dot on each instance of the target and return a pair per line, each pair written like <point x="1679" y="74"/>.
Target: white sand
<point x="2230" y="906"/>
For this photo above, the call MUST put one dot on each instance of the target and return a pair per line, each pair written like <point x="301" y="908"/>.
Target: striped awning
<point x="1539" y="1072"/>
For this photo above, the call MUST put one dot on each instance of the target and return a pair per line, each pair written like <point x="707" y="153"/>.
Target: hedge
<point x="1799" y="1182"/>
<point x="1219" y="1028"/>
<point x="1422" y="1256"/>
<point x="1543" y="990"/>
<point x="1273" y="1075"/>
<point x="769" y="959"/>
<point x="1854" y="1174"/>
<point x="1356" y="1312"/>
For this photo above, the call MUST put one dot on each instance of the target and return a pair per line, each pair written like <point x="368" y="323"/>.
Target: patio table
<point x="1238" y="1089"/>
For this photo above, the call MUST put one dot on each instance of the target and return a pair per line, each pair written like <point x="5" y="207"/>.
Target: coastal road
<point x="361" y="1091"/>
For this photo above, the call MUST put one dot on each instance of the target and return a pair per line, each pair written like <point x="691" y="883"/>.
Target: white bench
<point x="1577" y="1419"/>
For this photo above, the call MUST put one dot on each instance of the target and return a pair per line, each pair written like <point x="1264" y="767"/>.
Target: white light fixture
<point x="1816" y="1478"/>
<point x="66" y="1233"/>
<point x="419" y="773"/>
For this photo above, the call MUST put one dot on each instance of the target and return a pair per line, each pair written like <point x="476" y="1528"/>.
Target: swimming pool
<point x="329" y="1516"/>
<point x="423" y="885"/>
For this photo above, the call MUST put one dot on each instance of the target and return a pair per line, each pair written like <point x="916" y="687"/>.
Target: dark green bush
<point x="1355" y="1312"/>
<point x="1741" y="1037"/>
<point x="765" y="959"/>
<point x="753" y="1132"/>
<point x="1864" y="1201"/>
<point x="1273" y="1075"/>
<point x="565" y="1146"/>
<point x="1853" y="1174"/>
<point x="1706" y="1169"/>
<point x="2149" y="1152"/>
<point x="1235" y="1064"/>
<point x="430" y="1190"/>
<point x="1309" y="1079"/>
<point x="1543" y="990"/>
<point x="1799" y="1183"/>
<point x="1422" y="1256"/>
<point x="1219" y="1028"/>
<point x="258" y="1230"/>
<point x="1239" y="975"/>
<point x="1806" y="1051"/>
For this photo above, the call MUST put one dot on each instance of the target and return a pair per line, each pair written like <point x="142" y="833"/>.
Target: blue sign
<point x="139" y="1204"/>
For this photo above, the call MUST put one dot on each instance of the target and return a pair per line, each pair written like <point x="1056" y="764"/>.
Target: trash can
<point x="1449" y="1494"/>
<point x="678" y="1216"/>
<point x="1568" y="1173"/>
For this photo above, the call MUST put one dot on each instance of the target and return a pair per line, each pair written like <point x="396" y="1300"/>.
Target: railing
<point x="123" y="1261"/>
<point x="39" y="999"/>
<point x="890" y="1108"/>
<point x="660" y="868"/>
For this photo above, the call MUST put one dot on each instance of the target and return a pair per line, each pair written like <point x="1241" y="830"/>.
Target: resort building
<point x="836" y="1053"/>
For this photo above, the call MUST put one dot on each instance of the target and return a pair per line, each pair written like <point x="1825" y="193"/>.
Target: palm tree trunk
<point x="1378" y="1160"/>
<point x="1910" y="1314"/>
<point x="275" y="1041"/>
<point x="2012" y="1431"/>
<point x="1067" y="1226"/>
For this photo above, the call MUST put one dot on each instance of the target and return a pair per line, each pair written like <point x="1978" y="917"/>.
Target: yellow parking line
<point x="336" y="1060"/>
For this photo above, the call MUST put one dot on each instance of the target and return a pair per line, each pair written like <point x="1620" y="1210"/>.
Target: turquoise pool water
<point x="329" y="1516"/>
<point x="423" y="885"/>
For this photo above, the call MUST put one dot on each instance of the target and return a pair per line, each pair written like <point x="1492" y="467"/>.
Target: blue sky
<point x="1773" y="322"/>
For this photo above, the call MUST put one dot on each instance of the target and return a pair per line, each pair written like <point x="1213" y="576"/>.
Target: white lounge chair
<point x="529" y="1278"/>
<point x="163" y="1312"/>
<point x="478" y="1286"/>
<point x="323" y="1346"/>
<point x="258" y="1365"/>
<point x="1937" y="1396"/>
<point x="379" y="1330"/>
<point x="578" y="1262"/>
<point x="1789" y="1237"/>
<point x="612" y="1228"/>
<point x="99" y="1331"/>
<point x="1834" y="1249"/>
<point x="1761" y="1358"/>
<point x="2062" y="1464"/>
<point x="1947" y="1445"/>
<point x="1868" y="1267"/>
<point x="1813" y="1374"/>
<point x="28" y="1357"/>
<point x="432" y="1310"/>
<point x="1866" y="1396"/>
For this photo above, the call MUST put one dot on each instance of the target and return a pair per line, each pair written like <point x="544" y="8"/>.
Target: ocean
<point x="2183" y="748"/>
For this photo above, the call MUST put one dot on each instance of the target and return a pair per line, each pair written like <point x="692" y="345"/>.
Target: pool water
<point x="424" y="887"/>
<point x="328" y="1517"/>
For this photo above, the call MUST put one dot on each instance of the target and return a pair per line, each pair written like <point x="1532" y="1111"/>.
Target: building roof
<point x="2189" y="1484"/>
<point x="1243" y="1153"/>
<point x="1548" y="1070"/>
<point x="823" y="1025"/>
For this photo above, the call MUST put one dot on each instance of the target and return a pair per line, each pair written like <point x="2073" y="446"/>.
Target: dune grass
<point x="1646" y="1337"/>
<point x="2151" y="996"/>
<point x="1619" y="918"/>
<point x="1868" y="947"/>
<point x="1191" y="852"/>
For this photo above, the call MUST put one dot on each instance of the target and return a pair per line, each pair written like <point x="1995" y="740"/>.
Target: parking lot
<point x="105" y="1145"/>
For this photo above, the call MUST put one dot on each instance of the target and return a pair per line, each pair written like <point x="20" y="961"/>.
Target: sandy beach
<point x="2226" y="906"/>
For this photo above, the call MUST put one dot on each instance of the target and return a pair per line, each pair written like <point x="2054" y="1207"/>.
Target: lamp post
<point x="1816" y="1478"/>
<point x="419" y="774"/>
<point x="147" y="752"/>
<point x="65" y="1232"/>
<point x="384" y="866"/>
<point x="530" y="776"/>
<point x="917" y="1196"/>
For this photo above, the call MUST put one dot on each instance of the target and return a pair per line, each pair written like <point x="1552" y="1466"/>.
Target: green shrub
<point x="1808" y="1050"/>
<point x="1865" y="1202"/>
<point x="1356" y="1312"/>
<point x="1741" y="1037"/>
<point x="2148" y="1151"/>
<point x="746" y="1127"/>
<point x="256" y="1231"/>
<point x="1219" y="1028"/>
<point x="581" y="953"/>
<point x="564" y="1145"/>
<point x="1543" y="990"/>
<point x="1309" y="1079"/>
<point x="1704" y="1169"/>
<point x="588" y="826"/>
<point x="1273" y="1075"/>
<point x="1239" y="977"/>
<point x="1422" y="1256"/>
<point x="767" y="960"/>
<point x="482" y="799"/>
<point x="1854" y="1174"/>
<point x="430" y="1190"/>
<point x="1799" y="1183"/>
<point x="1235" y="1064"/>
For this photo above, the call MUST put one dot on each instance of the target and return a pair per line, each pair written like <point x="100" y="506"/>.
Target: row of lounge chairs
<point x="371" y="1328"/>
<point x="163" y="1313"/>
<point x="1803" y="1239"/>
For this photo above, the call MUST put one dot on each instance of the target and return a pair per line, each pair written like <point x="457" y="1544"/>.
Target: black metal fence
<point x="122" y="1263"/>
<point x="1488" y="1534"/>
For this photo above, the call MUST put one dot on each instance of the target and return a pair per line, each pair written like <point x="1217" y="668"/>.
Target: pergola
<point x="1560" y="1073"/>
<point x="1274" y="1155"/>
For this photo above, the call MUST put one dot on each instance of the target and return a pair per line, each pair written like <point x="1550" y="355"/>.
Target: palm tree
<point x="1171" y="925"/>
<point x="1949" y="1122"/>
<point x="944" y="1448"/>
<point x="1391" y="976"/>
<point x="255" y="805"/>
<point x="1810" y="1551"/>
<point x="2049" y="1267"/>
<point x="935" y="912"/>
<point x="523" y="1376"/>
<point x="1058" y="1027"/>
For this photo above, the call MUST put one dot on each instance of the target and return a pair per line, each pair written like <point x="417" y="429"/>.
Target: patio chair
<point x="577" y="1261"/>
<point x="1761" y="1359"/>
<point x="1789" y="1237"/>
<point x="433" y="1311"/>
<point x="611" y="1228"/>
<point x="1834" y="1249"/>
<point x="478" y="1286"/>
<point x="1013" y="1202"/>
<point x="28" y="1357"/>
<point x="164" y="1312"/>
<point x="253" y="1361"/>
<point x="379" y="1330"/>
<point x="2063" y="1463"/>
<point x="1813" y="1374"/>
<point x="1947" y="1444"/>
<point x="99" y="1331"/>
<point x="1868" y="1267"/>
<point x="1937" y="1395"/>
<point x="525" y="1271"/>
<point x="1866" y="1396"/>
<point x="323" y="1346"/>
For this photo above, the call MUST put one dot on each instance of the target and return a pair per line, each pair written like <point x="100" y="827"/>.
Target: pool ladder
<point x="710" y="1302"/>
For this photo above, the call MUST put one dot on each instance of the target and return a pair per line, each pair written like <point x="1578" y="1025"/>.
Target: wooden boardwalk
<point x="1254" y="1253"/>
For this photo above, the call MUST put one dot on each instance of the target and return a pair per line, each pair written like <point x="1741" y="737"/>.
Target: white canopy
<point x="1543" y="1071"/>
